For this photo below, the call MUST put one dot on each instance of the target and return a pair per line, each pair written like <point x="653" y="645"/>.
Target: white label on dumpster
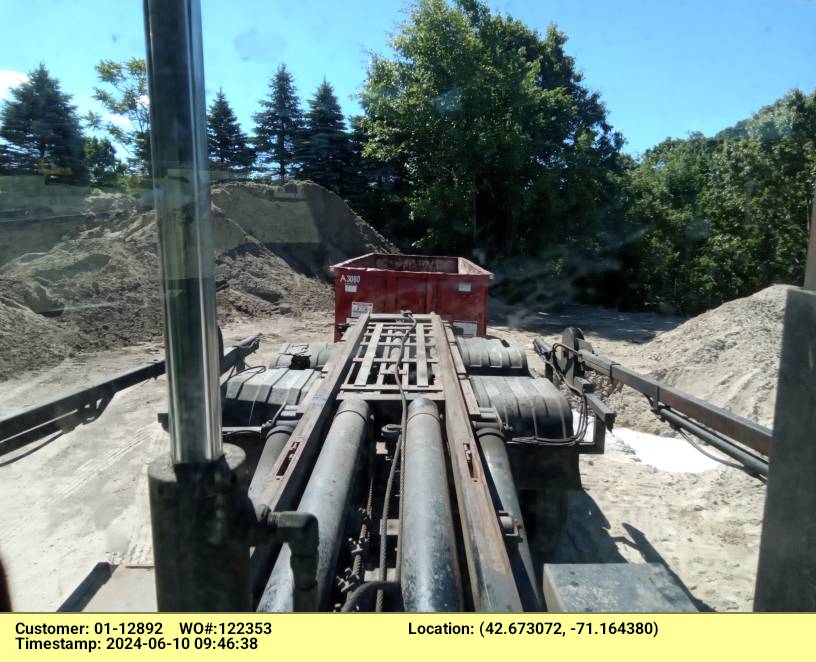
<point x="464" y="287"/>
<point x="360" y="308"/>
<point x="351" y="288"/>
<point x="465" y="329"/>
<point x="351" y="278"/>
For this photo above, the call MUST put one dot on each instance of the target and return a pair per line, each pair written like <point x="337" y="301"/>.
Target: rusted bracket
<point x="491" y="575"/>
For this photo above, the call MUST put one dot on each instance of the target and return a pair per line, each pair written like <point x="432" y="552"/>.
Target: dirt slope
<point x="728" y="356"/>
<point x="97" y="287"/>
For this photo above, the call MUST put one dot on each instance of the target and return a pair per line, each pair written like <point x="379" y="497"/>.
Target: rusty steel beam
<point x="491" y="576"/>
<point x="754" y="464"/>
<point x="740" y="429"/>
<point x="69" y="410"/>
<point x="748" y="433"/>
<point x="280" y="489"/>
<point x="83" y="405"/>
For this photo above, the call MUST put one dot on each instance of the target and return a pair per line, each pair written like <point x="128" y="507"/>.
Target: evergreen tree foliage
<point x="226" y="143"/>
<point x="376" y="189"/>
<point x="325" y="154"/>
<point x="278" y="125"/>
<point x="41" y="129"/>
<point x="7" y="165"/>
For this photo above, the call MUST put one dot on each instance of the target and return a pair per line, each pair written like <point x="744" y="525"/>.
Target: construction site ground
<point x="80" y="301"/>
<point x="78" y="498"/>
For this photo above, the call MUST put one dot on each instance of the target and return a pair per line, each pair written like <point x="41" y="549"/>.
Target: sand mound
<point x="728" y="356"/>
<point x="97" y="287"/>
<point x="310" y="222"/>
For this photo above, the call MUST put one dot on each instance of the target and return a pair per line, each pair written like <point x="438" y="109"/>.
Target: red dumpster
<point x="453" y="287"/>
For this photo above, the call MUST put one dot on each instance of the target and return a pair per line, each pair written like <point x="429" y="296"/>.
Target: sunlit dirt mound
<point x="96" y="285"/>
<point x="728" y="356"/>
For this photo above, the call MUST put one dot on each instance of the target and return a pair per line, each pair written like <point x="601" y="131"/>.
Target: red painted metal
<point x="453" y="287"/>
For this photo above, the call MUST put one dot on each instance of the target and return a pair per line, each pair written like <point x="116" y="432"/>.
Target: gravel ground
<point x="75" y="499"/>
<point x="80" y="498"/>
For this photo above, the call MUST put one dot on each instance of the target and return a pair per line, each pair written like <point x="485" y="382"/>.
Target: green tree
<point x="723" y="217"/>
<point x="278" y="126"/>
<point x="42" y="131"/>
<point x="104" y="167"/>
<point x="377" y="189"/>
<point x="226" y="143"/>
<point x="125" y="97"/>
<point x="7" y="165"/>
<point x="665" y="189"/>
<point x="325" y="154"/>
<point x="504" y="149"/>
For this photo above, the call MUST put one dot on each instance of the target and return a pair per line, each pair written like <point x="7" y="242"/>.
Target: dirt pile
<point x="275" y="245"/>
<point x="39" y="229"/>
<point x="728" y="356"/>
<point x="97" y="287"/>
<point x="309" y="222"/>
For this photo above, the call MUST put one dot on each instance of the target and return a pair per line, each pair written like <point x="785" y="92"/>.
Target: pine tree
<point x="326" y="153"/>
<point x="367" y="181"/>
<point x="376" y="189"/>
<point x="227" y="144"/>
<point x="42" y="130"/>
<point x="279" y="124"/>
<point x="7" y="166"/>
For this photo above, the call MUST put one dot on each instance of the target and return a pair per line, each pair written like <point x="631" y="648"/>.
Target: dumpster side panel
<point x="412" y="292"/>
<point x="462" y="301"/>
<point x="357" y="291"/>
<point x="459" y="298"/>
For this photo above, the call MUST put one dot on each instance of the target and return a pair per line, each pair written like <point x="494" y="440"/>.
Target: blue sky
<point x="663" y="68"/>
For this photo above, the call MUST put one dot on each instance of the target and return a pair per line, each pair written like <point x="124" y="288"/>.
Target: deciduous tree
<point x="125" y="98"/>
<point x="103" y="165"/>
<point x="723" y="217"/>
<point x="506" y="152"/>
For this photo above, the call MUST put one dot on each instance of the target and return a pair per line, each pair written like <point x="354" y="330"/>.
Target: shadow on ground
<point x="606" y="323"/>
<point x="586" y="539"/>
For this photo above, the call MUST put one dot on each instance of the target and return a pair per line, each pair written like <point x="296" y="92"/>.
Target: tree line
<point x="479" y="137"/>
<point x="716" y="218"/>
<point x="42" y="133"/>
<point x="494" y="147"/>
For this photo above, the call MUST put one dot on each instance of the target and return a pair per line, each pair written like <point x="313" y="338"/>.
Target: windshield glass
<point x="553" y="241"/>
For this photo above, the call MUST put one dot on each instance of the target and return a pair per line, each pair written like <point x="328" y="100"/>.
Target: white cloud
<point x="9" y="79"/>
<point x="121" y="120"/>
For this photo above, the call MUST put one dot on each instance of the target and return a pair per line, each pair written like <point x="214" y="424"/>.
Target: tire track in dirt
<point x="140" y="548"/>
<point x="95" y="467"/>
